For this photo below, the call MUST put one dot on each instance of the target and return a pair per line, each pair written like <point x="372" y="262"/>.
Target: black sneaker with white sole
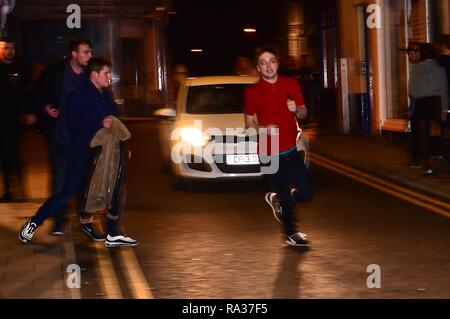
<point x="120" y="240"/>
<point x="58" y="228"/>
<point x="298" y="239"/>
<point x="274" y="203"/>
<point x="27" y="231"/>
<point x="89" y="230"/>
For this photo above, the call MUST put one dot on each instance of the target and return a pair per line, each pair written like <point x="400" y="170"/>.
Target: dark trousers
<point x="78" y="166"/>
<point x="58" y="162"/>
<point x="115" y="213"/>
<point x="292" y="173"/>
<point x="420" y="139"/>
<point x="11" y="165"/>
<point x="58" y="159"/>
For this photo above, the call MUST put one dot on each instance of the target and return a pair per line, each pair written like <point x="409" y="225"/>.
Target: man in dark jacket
<point x="444" y="55"/>
<point x="13" y="81"/>
<point x="88" y="110"/>
<point x="444" y="60"/>
<point x="52" y="90"/>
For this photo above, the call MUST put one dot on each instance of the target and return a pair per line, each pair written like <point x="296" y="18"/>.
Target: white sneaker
<point x="27" y="231"/>
<point x="120" y="240"/>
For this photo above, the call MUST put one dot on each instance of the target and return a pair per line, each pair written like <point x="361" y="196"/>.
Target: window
<point x="216" y="99"/>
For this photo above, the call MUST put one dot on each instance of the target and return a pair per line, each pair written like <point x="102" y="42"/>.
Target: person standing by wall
<point x="444" y="55"/>
<point x="428" y="92"/>
<point x="13" y="81"/>
<point x="277" y="102"/>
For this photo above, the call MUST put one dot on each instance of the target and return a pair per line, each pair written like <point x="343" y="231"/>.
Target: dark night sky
<point x="216" y="26"/>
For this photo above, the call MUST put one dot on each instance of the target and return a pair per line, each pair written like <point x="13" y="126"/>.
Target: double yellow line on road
<point x="134" y="276"/>
<point x="416" y="198"/>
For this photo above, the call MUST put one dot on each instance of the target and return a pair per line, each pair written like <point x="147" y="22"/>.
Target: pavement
<point x="39" y="270"/>
<point x="386" y="158"/>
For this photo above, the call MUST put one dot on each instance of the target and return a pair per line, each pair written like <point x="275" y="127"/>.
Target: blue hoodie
<point x="86" y="108"/>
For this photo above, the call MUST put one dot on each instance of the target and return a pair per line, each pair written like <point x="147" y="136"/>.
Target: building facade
<point x="364" y="72"/>
<point x="373" y="70"/>
<point x="131" y="35"/>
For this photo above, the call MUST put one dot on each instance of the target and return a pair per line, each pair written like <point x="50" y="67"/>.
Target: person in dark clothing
<point x="13" y="81"/>
<point x="52" y="90"/>
<point x="444" y="60"/>
<point x="444" y="55"/>
<point x="89" y="108"/>
<point x="428" y="92"/>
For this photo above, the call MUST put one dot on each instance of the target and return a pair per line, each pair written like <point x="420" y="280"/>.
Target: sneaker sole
<point x="22" y="239"/>
<point x="296" y="245"/>
<point x="90" y="236"/>
<point x="112" y="245"/>
<point x="275" y="215"/>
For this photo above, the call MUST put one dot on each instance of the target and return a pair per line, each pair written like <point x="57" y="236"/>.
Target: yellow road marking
<point x="132" y="271"/>
<point x="134" y="275"/>
<point x="429" y="203"/>
<point x="108" y="275"/>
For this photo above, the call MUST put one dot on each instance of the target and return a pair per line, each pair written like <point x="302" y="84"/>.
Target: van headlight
<point x="193" y="137"/>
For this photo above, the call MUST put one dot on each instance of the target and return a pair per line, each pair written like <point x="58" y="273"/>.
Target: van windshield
<point x="216" y="99"/>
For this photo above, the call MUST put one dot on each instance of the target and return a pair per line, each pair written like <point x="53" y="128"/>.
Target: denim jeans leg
<point x="77" y="170"/>
<point x="59" y="159"/>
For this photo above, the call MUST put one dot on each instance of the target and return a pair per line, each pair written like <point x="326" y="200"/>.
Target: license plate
<point x="243" y="159"/>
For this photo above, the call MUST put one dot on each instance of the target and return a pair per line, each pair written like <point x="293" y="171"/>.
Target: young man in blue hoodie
<point x="89" y="109"/>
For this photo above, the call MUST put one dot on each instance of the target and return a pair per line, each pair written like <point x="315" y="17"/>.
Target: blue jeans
<point x="292" y="173"/>
<point x="78" y="167"/>
<point x="58" y="160"/>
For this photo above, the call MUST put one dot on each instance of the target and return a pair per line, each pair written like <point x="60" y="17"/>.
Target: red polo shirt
<point x="269" y="103"/>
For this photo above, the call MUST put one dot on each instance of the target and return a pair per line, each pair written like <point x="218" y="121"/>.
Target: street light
<point x="249" y="30"/>
<point x="196" y="50"/>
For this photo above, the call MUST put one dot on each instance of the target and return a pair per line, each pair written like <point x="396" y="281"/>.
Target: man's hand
<point x="301" y="112"/>
<point x="129" y="154"/>
<point x="51" y="111"/>
<point x="107" y="121"/>
<point x="444" y="116"/>
<point x="291" y="105"/>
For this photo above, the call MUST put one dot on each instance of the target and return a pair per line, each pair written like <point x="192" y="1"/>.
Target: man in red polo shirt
<point x="274" y="103"/>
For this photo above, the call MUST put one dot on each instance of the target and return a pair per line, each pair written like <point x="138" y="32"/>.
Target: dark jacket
<point x="444" y="61"/>
<point x="86" y="108"/>
<point x="48" y="91"/>
<point x="13" y="95"/>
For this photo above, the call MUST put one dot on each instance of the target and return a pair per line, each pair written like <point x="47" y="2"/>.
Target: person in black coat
<point x="13" y="103"/>
<point x="51" y="92"/>
<point x="444" y="55"/>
